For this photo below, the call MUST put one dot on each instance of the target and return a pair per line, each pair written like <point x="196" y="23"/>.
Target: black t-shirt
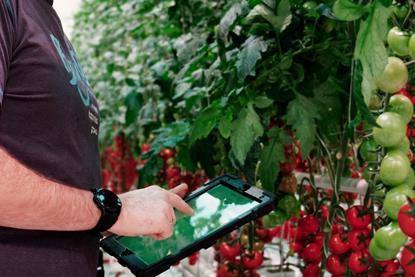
<point x="49" y="121"/>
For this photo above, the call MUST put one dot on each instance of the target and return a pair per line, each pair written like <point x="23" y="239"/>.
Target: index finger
<point x="178" y="203"/>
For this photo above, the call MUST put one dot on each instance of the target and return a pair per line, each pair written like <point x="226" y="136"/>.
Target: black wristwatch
<point x="110" y="206"/>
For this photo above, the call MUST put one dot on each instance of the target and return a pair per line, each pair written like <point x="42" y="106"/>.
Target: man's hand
<point x="150" y="212"/>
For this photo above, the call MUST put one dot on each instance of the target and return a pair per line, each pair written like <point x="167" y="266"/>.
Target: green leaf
<point x="133" y="103"/>
<point x="271" y="157"/>
<point x="225" y="125"/>
<point x="328" y="100"/>
<point x="150" y="170"/>
<point x="227" y="21"/>
<point x="302" y="114"/>
<point x="370" y="49"/>
<point x="348" y="11"/>
<point x="130" y="82"/>
<point x="205" y="122"/>
<point x="263" y="102"/>
<point x="358" y="96"/>
<point x="249" y="55"/>
<point x="279" y="21"/>
<point x="168" y="137"/>
<point x="245" y="129"/>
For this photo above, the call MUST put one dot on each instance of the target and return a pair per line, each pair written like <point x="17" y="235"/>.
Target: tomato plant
<point x="263" y="90"/>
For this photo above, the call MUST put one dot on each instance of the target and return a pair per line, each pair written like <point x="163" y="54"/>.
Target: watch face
<point x="109" y="200"/>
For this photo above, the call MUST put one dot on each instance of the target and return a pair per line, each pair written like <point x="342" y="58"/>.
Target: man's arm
<point x="30" y="201"/>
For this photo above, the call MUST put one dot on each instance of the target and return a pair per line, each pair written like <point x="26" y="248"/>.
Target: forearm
<point x="30" y="201"/>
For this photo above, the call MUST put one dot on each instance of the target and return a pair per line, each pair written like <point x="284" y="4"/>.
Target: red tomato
<point x="406" y="220"/>
<point x="300" y="234"/>
<point x="145" y="147"/>
<point x="358" y="217"/>
<point x="227" y="270"/>
<point x="309" y="224"/>
<point x="319" y="238"/>
<point x="359" y="239"/>
<point x="311" y="270"/>
<point x="337" y="228"/>
<point x="288" y="166"/>
<point x="359" y="261"/>
<point x="338" y="244"/>
<point x="311" y="253"/>
<point x="276" y="231"/>
<point x="407" y="258"/>
<point x="296" y="246"/>
<point x="253" y="260"/>
<point x="229" y="252"/>
<point x="335" y="265"/>
<point x="167" y="154"/>
<point x="388" y="268"/>
<point x="262" y="233"/>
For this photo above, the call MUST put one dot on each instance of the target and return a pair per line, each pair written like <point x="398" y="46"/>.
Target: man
<point x="51" y="211"/>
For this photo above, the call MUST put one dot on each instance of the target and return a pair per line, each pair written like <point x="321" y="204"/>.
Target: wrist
<point x="109" y="206"/>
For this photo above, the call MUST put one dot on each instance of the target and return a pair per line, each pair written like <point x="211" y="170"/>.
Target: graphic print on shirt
<point x="78" y="80"/>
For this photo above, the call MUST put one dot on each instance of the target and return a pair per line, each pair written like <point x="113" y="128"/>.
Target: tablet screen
<point x="212" y="210"/>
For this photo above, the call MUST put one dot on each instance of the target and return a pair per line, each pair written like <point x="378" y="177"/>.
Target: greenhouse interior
<point x="194" y="138"/>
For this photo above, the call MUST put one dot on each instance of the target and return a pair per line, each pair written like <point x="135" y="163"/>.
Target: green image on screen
<point x="212" y="209"/>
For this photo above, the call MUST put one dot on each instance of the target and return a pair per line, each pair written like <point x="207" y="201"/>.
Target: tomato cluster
<point x="240" y="256"/>
<point x="119" y="167"/>
<point x="395" y="171"/>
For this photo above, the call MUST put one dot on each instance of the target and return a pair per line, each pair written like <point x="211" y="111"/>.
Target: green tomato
<point x="394" y="168"/>
<point x="394" y="76"/>
<point x="375" y="102"/>
<point x="401" y="105"/>
<point x="412" y="46"/>
<point x="398" y="41"/>
<point x="404" y="146"/>
<point x="368" y="150"/>
<point x="395" y="199"/>
<point x="392" y="130"/>
<point x="410" y="181"/>
<point x="390" y="237"/>
<point x="380" y="254"/>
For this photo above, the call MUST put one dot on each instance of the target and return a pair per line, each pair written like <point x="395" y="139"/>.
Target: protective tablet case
<point x="127" y="258"/>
